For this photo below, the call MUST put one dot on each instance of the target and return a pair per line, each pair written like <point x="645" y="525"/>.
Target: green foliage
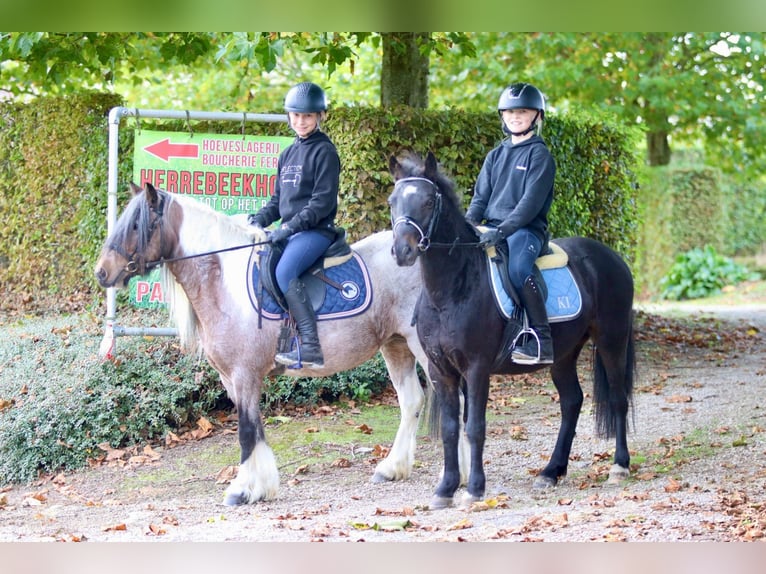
<point x="53" y="168"/>
<point x="58" y="401"/>
<point x="691" y="206"/>
<point x="74" y="402"/>
<point x="701" y="273"/>
<point x="745" y="229"/>
<point x="360" y="384"/>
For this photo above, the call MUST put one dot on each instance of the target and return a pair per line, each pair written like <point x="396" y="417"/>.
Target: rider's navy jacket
<point x="306" y="191"/>
<point x="515" y="187"/>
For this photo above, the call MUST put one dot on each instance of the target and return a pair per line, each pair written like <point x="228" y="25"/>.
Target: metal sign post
<point x="112" y="329"/>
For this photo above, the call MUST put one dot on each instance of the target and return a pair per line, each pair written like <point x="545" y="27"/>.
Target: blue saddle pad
<point x="352" y="298"/>
<point x="563" y="302"/>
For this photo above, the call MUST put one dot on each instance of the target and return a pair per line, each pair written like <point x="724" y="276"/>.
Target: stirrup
<point x="520" y="358"/>
<point x="294" y="360"/>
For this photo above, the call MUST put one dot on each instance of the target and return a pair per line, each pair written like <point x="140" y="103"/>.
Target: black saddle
<point x="314" y="278"/>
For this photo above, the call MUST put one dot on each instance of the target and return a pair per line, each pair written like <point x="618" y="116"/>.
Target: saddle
<point x="554" y="258"/>
<point x="314" y="278"/>
<point x="551" y="266"/>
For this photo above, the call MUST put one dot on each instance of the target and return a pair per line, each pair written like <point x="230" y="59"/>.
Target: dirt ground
<point x="698" y="442"/>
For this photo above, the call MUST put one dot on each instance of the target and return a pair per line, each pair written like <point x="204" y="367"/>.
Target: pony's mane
<point x="413" y="166"/>
<point x="229" y="231"/>
<point x="230" y="228"/>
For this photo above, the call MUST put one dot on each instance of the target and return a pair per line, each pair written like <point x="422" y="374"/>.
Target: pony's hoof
<point x="468" y="499"/>
<point x="235" y="499"/>
<point x="440" y="502"/>
<point x="379" y="478"/>
<point x="617" y="475"/>
<point x="542" y="482"/>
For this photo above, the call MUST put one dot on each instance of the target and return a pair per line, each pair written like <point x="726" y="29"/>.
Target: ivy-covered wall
<point x="53" y="171"/>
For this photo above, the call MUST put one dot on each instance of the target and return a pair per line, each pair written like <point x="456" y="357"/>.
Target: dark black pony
<point x="462" y="330"/>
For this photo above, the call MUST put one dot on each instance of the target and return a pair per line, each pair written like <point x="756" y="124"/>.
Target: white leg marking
<point x="258" y="477"/>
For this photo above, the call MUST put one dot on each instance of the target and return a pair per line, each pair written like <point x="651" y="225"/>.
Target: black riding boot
<point x="527" y="354"/>
<point x="309" y="353"/>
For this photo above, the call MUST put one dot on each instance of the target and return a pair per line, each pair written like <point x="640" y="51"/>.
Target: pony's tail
<point x="433" y="408"/>
<point x="607" y="396"/>
<point x="434" y="414"/>
<point x="182" y="314"/>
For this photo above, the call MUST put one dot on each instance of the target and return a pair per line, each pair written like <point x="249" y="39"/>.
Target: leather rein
<point x="136" y="264"/>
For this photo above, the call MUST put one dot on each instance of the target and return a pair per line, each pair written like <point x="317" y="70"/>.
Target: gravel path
<point x="698" y="445"/>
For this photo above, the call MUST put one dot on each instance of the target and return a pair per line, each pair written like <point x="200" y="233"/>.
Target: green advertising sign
<point x="231" y="173"/>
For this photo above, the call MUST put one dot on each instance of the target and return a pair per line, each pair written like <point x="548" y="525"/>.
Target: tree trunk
<point x="404" y="73"/>
<point x="658" y="148"/>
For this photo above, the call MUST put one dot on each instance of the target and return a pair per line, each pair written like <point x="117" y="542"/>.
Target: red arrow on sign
<point x="164" y="150"/>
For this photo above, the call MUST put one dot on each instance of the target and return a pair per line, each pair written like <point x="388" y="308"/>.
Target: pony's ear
<point x="432" y="166"/>
<point x="134" y="189"/>
<point x="151" y="194"/>
<point x="394" y="166"/>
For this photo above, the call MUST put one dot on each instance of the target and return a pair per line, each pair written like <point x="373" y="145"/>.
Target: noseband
<point x="425" y="237"/>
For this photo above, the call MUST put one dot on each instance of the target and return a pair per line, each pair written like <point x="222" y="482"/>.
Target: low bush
<point x="701" y="273"/>
<point x="58" y="401"/>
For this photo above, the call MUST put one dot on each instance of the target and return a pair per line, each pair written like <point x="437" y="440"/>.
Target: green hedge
<point x="53" y="170"/>
<point x="693" y="207"/>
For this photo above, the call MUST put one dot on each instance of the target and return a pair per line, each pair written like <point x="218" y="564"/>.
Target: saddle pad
<point x="354" y="297"/>
<point x="563" y="302"/>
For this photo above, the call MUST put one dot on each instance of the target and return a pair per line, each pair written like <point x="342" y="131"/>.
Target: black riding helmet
<point x="306" y="98"/>
<point x="521" y="95"/>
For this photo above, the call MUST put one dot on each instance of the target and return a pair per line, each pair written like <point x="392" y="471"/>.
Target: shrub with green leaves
<point x="359" y="384"/>
<point x="58" y="401"/>
<point x="702" y="273"/>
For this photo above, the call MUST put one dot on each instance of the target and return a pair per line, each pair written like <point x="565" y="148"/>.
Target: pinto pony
<point x="462" y="330"/>
<point x="206" y="275"/>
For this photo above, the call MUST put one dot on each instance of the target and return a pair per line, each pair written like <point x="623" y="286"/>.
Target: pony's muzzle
<point x="404" y="253"/>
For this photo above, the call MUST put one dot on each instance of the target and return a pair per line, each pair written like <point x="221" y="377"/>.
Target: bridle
<point x="136" y="263"/>
<point x="425" y="237"/>
<point x="424" y="243"/>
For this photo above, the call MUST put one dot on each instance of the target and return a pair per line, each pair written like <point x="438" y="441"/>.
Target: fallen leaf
<point x="679" y="399"/>
<point x="673" y="485"/>
<point x="226" y="474"/>
<point x="151" y="453"/>
<point x="461" y="525"/>
<point x="157" y="530"/>
<point x="205" y="425"/>
<point x="115" y="528"/>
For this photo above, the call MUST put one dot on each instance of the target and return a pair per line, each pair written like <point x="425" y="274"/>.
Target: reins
<point x="132" y="265"/>
<point x="150" y="264"/>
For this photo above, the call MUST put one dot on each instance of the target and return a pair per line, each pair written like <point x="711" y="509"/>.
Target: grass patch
<point x="358" y="433"/>
<point x="674" y="452"/>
